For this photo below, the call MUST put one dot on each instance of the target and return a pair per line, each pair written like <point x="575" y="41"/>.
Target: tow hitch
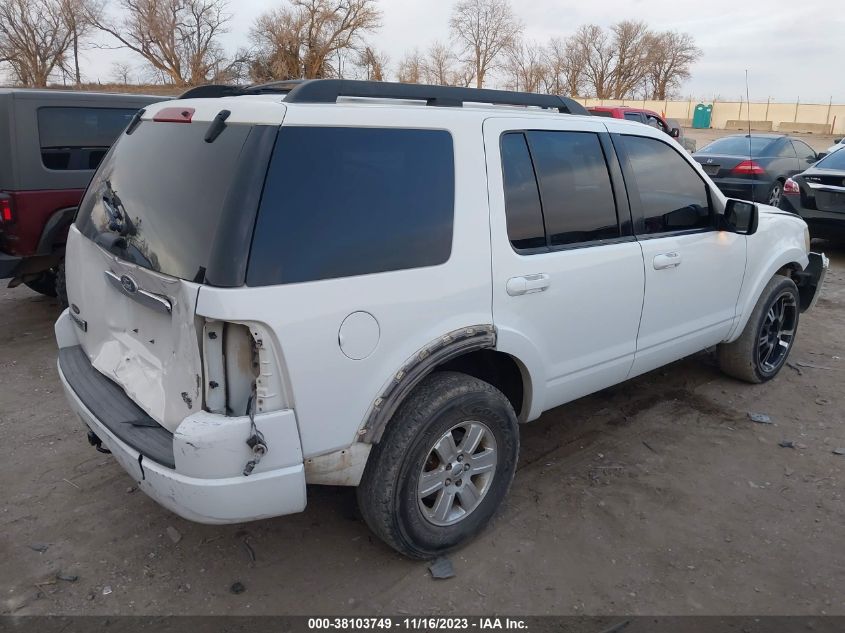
<point x="96" y="442"/>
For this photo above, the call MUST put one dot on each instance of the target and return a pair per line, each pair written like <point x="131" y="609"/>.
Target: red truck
<point x="649" y="117"/>
<point x="52" y="142"/>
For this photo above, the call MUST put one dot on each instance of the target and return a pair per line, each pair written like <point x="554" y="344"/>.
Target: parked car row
<point x="782" y="171"/>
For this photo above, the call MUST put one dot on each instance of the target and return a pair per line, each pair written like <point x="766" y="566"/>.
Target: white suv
<point x="372" y="284"/>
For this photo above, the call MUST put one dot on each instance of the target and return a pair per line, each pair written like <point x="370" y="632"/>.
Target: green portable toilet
<point x="701" y="116"/>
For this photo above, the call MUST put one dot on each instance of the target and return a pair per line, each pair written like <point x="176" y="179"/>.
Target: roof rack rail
<point x="329" y="90"/>
<point x="213" y="91"/>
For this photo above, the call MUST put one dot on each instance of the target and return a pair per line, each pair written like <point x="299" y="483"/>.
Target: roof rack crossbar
<point x="330" y="90"/>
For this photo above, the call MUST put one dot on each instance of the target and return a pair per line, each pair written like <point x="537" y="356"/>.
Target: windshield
<point x="836" y="160"/>
<point x="157" y="197"/>
<point x="738" y="146"/>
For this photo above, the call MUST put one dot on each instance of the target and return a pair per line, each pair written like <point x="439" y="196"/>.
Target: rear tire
<point x="443" y="467"/>
<point x="44" y="284"/>
<point x="775" y="193"/>
<point x="764" y="345"/>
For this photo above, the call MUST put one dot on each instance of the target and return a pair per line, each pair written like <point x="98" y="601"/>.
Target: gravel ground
<point x="658" y="496"/>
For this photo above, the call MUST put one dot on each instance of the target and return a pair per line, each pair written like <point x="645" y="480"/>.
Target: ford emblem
<point x="128" y="284"/>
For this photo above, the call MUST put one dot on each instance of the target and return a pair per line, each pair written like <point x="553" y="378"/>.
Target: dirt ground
<point x="658" y="496"/>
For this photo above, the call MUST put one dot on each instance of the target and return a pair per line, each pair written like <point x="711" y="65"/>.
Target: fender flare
<point x="746" y="303"/>
<point x="55" y="230"/>
<point x="417" y="367"/>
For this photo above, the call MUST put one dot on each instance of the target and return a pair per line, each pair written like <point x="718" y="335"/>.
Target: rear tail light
<point x="6" y="213"/>
<point x="790" y="186"/>
<point x="748" y="167"/>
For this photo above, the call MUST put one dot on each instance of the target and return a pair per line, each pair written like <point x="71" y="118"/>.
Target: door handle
<point x="526" y="284"/>
<point x="667" y="260"/>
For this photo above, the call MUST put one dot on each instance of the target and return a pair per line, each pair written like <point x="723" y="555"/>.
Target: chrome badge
<point x="129" y="284"/>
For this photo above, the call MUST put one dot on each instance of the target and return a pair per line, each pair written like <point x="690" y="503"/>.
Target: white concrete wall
<point x="832" y="115"/>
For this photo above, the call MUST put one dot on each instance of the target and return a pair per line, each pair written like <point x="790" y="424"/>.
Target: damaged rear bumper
<point x="811" y="280"/>
<point x="205" y="482"/>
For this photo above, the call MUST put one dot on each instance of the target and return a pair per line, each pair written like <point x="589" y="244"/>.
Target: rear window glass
<point x="339" y="202"/>
<point x="738" y="146"/>
<point x="578" y="203"/>
<point x="159" y="194"/>
<point x="836" y="160"/>
<point x="78" y="138"/>
<point x="522" y="198"/>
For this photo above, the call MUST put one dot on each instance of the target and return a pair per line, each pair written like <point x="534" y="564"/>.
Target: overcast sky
<point x="791" y="49"/>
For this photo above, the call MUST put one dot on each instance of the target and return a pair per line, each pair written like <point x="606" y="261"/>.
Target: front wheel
<point x="764" y="345"/>
<point x="443" y="467"/>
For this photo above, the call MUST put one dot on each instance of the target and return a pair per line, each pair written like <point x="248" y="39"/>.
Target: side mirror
<point x="836" y="141"/>
<point x="740" y="217"/>
<point x="819" y="156"/>
<point x="675" y="133"/>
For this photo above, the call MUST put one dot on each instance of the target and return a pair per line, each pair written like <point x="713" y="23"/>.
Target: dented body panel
<point x="207" y="484"/>
<point x="154" y="355"/>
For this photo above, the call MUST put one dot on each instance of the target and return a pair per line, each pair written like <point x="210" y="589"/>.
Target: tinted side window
<point x="803" y="150"/>
<point x="522" y="198"/>
<point x="786" y="150"/>
<point x="578" y="203"/>
<point x="673" y="196"/>
<point x="635" y="116"/>
<point x="78" y="138"/>
<point x="339" y="202"/>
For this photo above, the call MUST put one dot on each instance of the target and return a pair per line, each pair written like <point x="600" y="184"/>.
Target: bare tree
<point x="484" y="29"/>
<point x="79" y="18"/>
<point x="671" y="55"/>
<point x="310" y="38"/>
<point x="596" y="48"/>
<point x="34" y="39"/>
<point x="565" y="62"/>
<point x="122" y="73"/>
<point x="373" y="64"/>
<point x="615" y="61"/>
<point x="442" y="67"/>
<point x="411" y="68"/>
<point x="178" y="38"/>
<point x="525" y="68"/>
<point x="631" y="41"/>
